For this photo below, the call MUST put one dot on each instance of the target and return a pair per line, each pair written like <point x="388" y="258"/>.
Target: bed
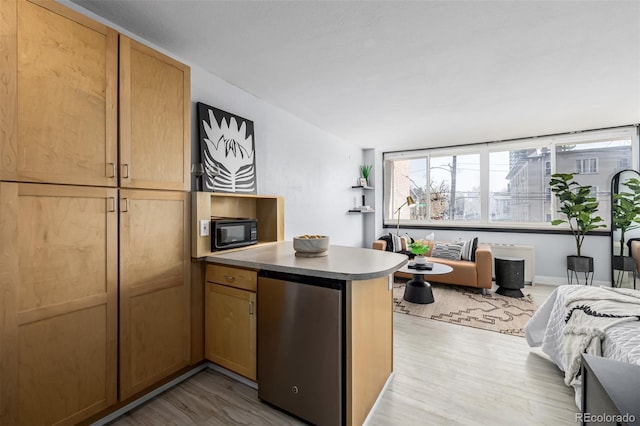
<point x="577" y="319"/>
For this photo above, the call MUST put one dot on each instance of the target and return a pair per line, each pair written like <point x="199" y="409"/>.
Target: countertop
<point x="343" y="263"/>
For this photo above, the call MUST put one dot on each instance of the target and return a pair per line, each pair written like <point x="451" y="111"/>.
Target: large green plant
<point x="577" y="204"/>
<point x="626" y="209"/>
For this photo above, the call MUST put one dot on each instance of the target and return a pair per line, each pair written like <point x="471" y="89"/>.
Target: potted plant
<point x="419" y="248"/>
<point x="580" y="209"/>
<point x="625" y="216"/>
<point x="365" y="171"/>
<point x="626" y="210"/>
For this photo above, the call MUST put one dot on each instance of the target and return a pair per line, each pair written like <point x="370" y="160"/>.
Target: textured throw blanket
<point x="590" y="313"/>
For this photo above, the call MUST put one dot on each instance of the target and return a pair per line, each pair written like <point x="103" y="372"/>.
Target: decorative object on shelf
<point x="227" y="150"/>
<point x="365" y="171"/>
<point x="419" y="248"/>
<point x="311" y="245"/>
<point x="197" y="169"/>
<point x="410" y="202"/>
<point x="580" y="208"/>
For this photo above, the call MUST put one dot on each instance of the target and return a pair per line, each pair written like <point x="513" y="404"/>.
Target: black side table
<point x="509" y="276"/>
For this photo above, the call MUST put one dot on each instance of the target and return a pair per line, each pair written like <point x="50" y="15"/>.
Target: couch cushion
<point x="451" y="251"/>
<point x="469" y="249"/>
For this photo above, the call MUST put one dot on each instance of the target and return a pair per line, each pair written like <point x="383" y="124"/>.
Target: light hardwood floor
<point x="444" y="375"/>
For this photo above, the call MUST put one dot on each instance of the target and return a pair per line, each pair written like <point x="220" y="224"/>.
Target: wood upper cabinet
<point x="155" y="111"/>
<point x="58" y="85"/>
<point x="230" y="319"/>
<point x="155" y="293"/>
<point x="58" y="298"/>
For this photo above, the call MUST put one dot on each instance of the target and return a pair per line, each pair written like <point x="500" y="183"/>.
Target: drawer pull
<point x="112" y="204"/>
<point x="229" y="278"/>
<point x="250" y="308"/>
<point x="125" y="168"/>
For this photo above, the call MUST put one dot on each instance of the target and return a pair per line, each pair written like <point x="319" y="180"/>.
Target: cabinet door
<point x="58" y="298"/>
<point x="155" y="296"/>
<point x="155" y="111"/>
<point x="230" y="328"/>
<point x="58" y="116"/>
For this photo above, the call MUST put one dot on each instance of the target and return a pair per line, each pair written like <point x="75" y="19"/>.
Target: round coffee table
<point x="417" y="289"/>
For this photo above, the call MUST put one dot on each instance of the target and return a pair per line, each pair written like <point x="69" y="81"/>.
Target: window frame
<point x="484" y="150"/>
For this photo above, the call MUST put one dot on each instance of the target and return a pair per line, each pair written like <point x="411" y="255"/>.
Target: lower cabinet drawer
<point x="234" y="277"/>
<point x="230" y="329"/>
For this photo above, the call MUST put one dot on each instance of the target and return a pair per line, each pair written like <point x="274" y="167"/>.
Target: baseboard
<point x="557" y="281"/>
<point x="114" y="415"/>
<point x="232" y="375"/>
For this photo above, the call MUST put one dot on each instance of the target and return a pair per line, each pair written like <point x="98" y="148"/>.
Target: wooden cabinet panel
<point x="58" y="296"/>
<point x="233" y="277"/>
<point x="59" y="89"/>
<point x="230" y="328"/>
<point x="155" y="111"/>
<point x="155" y="295"/>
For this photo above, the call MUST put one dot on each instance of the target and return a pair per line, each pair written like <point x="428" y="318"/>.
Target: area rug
<point x="468" y="307"/>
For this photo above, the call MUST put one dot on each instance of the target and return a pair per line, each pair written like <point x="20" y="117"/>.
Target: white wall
<point x="312" y="169"/>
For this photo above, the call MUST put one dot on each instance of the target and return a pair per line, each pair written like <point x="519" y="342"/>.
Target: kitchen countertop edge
<point x="281" y="258"/>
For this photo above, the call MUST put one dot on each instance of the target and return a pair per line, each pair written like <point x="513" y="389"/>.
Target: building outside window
<point x="503" y="184"/>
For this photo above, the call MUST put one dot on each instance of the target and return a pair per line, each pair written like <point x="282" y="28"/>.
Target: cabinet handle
<point x="125" y="171"/>
<point x="112" y="207"/>
<point x="126" y="205"/>
<point x="229" y="278"/>
<point x="113" y="170"/>
<point x="250" y="308"/>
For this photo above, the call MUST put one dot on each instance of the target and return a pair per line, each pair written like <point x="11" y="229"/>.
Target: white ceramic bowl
<point x="311" y="244"/>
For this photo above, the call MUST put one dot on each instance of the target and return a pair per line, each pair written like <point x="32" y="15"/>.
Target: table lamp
<point x="410" y="202"/>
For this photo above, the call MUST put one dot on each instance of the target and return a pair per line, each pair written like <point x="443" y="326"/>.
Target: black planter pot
<point x="623" y="263"/>
<point x="582" y="265"/>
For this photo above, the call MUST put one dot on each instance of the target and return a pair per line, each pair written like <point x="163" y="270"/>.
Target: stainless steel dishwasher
<point x="300" y="346"/>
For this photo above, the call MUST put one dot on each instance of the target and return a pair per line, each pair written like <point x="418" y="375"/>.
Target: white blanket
<point x="603" y="321"/>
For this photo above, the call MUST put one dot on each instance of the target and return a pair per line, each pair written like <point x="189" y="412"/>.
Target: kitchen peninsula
<point x="334" y="314"/>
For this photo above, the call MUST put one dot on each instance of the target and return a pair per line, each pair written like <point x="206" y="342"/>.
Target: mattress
<point x="546" y="328"/>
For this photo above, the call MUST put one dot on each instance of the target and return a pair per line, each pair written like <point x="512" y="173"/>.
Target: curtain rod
<point x="636" y="125"/>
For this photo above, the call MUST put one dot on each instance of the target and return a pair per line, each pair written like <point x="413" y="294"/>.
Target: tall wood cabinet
<point x="155" y="296"/>
<point x="95" y="273"/>
<point x="155" y="132"/>
<point x="58" y="85"/>
<point x="58" y="297"/>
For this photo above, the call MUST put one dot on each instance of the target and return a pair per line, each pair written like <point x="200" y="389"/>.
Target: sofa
<point x="476" y="273"/>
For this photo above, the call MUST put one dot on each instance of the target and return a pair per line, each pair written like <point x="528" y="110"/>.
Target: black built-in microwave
<point x="232" y="232"/>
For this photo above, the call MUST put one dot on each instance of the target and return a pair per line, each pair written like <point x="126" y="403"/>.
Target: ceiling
<point x="412" y="74"/>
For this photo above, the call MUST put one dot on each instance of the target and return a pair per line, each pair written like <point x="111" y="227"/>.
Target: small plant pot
<point x="420" y="260"/>
<point x="580" y="263"/>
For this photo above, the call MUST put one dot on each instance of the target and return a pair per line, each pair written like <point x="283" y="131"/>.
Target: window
<point x="516" y="180"/>
<point x="446" y="188"/>
<point x="624" y="163"/>
<point x="502" y="184"/>
<point x="585" y="166"/>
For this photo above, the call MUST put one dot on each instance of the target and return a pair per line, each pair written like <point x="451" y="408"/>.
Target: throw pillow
<point x="400" y="243"/>
<point x="469" y="249"/>
<point x="389" y="241"/>
<point x="447" y="251"/>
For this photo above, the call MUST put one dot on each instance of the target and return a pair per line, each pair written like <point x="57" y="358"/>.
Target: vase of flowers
<point x="419" y="248"/>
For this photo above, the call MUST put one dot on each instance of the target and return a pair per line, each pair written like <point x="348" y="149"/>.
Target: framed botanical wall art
<point x="227" y="151"/>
